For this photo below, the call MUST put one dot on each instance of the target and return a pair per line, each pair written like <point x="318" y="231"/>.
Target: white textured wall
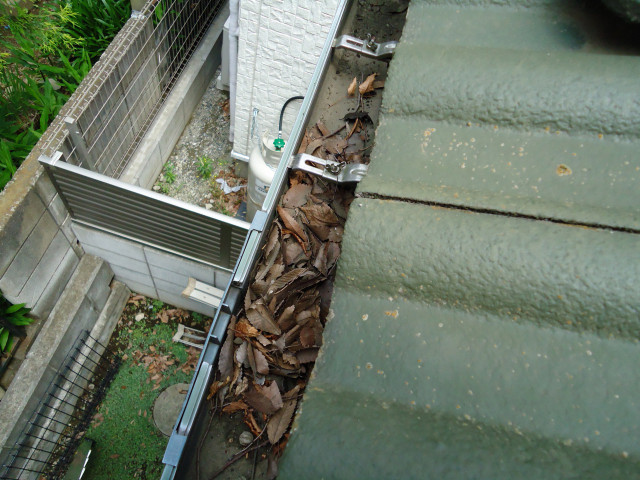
<point x="280" y="42"/>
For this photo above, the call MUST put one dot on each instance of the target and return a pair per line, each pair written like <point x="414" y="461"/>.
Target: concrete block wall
<point x="151" y="271"/>
<point x="38" y="250"/>
<point x="159" y="141"/>
<point x="279" y="45"/>
<point x="89" y="302"/>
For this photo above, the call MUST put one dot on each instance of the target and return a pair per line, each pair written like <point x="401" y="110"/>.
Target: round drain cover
<point x="167" y="407"/>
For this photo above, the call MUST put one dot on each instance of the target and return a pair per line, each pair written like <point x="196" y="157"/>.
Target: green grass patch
<point x="127" y="443"/>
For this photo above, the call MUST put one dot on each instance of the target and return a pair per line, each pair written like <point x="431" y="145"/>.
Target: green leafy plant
<point x="204" y="167"/>
<point x="156" y="306"/>
<point x="45" y="53"/>
<point x="12" y="321"/>
<point x="97" y="22"/>
<point x="169" y="173"/>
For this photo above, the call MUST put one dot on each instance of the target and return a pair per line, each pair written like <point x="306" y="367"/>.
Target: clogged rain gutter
<point x="182" y="436"/>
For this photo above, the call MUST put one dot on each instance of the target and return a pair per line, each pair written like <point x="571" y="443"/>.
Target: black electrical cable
<point x="299" y="97"/>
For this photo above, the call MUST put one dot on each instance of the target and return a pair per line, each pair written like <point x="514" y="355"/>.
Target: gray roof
<point x="486" y="316"/>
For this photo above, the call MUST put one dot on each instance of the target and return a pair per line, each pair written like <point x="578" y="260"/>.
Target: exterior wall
<point x="150" y="271"/>
<point x="38" y="250"/>
<point x="279" y="45"/>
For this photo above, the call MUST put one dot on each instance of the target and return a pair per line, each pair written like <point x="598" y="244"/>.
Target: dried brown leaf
<point x="335" y="145"/>
<point x="296" y="196"/>
<point x="262" y="366"/>
<point x="286" y="319"/>
<point x="291" y="359"/>
<point x="279" y="422"/>
<point x="378" y="84"/>
<point x="241" y="353"/>
<point x="261" y="318"/>
<point x="291" y="223"/>
<point x="213" y="389"/>
<point x="305" y="141"/>
<point x="307" y="337"/>
<point x="244" y="330"/>
<point x="274" y="236"/>
<point x="314" y="145"/>
<point x="236" y="406"/>
<point x="287" y="278"/>
<point x="293" y="252"/>
<point x="367" y="85"/>
<point x="250" y="422"/>
<point x="307" y="355"/>
<point x="309" y="314"/>
<point x="177" y="312"/>
<point x="351" y="91"/>
<point x="264" y="399"/>
<point x="323" y="129"/>
<point x="268" y="262"/>
<point x="251" y="359"/>
<point x="274" y="272"/>
<point x="320" y="214"/>
<point x="320" y="261"/>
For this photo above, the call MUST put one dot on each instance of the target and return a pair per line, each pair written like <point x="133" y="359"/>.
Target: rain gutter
<point x="182" y="446"/>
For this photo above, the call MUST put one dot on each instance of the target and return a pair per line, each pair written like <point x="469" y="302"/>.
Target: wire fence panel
<point x="49" y="440"/>
<point x="146" y="216"/>
<point x="138" y="72"/>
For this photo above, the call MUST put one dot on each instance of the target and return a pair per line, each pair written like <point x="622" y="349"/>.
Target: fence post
<point x="79" y="144"/>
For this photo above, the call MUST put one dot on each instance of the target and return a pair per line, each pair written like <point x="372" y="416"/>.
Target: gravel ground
<point x="205" y="136"/>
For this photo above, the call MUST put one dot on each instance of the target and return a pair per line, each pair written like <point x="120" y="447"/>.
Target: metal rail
<point x="49" y="440"/>
<point x="145" y="216"/>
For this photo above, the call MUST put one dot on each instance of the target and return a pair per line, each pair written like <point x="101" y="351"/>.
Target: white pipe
<point x="234" y="32"/>
<point x="240" y="156"/>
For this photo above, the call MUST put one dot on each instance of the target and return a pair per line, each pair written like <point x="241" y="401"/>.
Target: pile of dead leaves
<point x="272" y="343"/>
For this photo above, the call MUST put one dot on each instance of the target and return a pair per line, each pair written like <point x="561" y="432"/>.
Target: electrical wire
<point x="298" y="97"/>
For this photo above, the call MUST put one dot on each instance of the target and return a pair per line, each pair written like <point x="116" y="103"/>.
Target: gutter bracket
<point x="339" y="172"/>
<point x="367" y="48"/>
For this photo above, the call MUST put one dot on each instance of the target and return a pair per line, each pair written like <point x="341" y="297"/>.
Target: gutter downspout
<point x="234" y="33"/>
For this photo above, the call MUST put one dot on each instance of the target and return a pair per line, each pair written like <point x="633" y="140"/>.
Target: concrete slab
<point x="25" y="214"/>
<point x="125" y="275"/>
<point x="39" y="280"/>
<point x="57" y="283"/>
<point x="28" y="256"/>
<point x="180" y="265"/>
<point x="167" y="407"/>
<point x="105" y="241"/>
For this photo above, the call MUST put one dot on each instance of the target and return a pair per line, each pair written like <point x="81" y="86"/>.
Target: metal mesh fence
<point x="50" y="438"/>
<point x="142" y="67"/>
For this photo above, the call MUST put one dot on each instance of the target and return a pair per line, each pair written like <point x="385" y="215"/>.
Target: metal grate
<point x="147" y="58"/>
<point x="49" y="440"/>
<point x="146" y="216"/>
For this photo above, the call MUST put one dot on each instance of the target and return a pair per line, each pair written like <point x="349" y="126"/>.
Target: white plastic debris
<point x="226" y="188"/>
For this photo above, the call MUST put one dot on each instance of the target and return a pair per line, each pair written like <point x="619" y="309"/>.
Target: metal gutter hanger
<point x="367" y="48"/>
<point x="339" y="172"/>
